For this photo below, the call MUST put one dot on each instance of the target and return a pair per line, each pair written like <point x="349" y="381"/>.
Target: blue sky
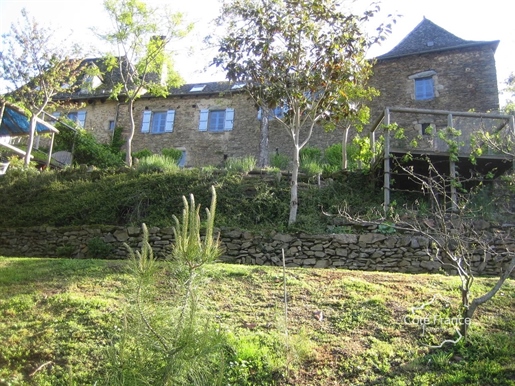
<point x="488" y="20"/>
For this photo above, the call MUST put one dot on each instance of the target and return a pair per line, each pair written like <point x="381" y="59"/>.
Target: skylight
<point x="237" y="86"/>
<point x="199" y="87"/>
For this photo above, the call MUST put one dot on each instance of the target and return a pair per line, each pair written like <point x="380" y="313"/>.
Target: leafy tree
<point x="36" y="68"/>
<point x="353" y="111"/>
<point x="141" y="34"/>
<point x="510" y="89"/>
<point x="297" y="54"/>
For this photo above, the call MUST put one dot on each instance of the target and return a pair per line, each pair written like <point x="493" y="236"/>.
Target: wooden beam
<point x="386" y="184"/>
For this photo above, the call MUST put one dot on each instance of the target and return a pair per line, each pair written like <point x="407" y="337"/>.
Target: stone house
<point x="429" y="69"/>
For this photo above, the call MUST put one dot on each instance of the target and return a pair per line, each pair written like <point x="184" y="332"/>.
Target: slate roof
<point x="428" y="37"/>
<point x="109" y="79"/>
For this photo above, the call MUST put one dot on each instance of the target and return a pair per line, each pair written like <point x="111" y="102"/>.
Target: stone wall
<point x="366" y="251"/>
<point x="464" y="80"/>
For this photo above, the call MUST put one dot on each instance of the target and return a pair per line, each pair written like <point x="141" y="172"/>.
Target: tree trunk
<point x="294" y="201"/>
<point x="344" y="148"/>
<point x="132" y="129"/>
<point x="263" y="143"/>
<point x="32" y="132"/>
<point x="468" y="311"/>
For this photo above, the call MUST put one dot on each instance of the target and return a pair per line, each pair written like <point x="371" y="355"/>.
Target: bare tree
<point x="36" y="68"/>
<point x="459" y="239"/>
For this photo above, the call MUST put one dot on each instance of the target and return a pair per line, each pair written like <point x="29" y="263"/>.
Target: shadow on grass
<point x="55" y="272"/>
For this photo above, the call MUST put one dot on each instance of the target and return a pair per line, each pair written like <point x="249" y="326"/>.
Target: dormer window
<point x="91" y="82"/>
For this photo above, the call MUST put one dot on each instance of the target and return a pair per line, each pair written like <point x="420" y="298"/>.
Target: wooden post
<point x="452" y="171"/>
<point x="50" y="151"/>
<point x="373" y="145"/>
<point x="386" y="186"/>
<point x="2" y="110"/>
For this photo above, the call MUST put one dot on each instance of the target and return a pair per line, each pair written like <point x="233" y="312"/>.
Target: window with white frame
<point x="216" y="120"/>
<point x="157" y="122"/>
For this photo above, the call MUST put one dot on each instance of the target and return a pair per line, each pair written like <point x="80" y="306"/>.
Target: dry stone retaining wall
<point x="367" y="251"/>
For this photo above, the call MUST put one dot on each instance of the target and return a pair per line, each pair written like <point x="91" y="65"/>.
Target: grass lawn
<point x="59" y="316"/>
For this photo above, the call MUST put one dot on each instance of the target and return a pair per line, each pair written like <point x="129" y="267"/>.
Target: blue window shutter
<point x="260" y="112"/>
<point x="145" y="126"/>
<point x="81" y="118"/>
<point x="229" y="119"/>
<point x="278" y="112"/>
<point x="170" y="117"/>
<point x="204" y="115"/>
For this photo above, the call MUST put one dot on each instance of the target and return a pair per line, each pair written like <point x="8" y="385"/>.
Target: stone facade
<point x="460" y="75"/>
<point x="365" y="251"/>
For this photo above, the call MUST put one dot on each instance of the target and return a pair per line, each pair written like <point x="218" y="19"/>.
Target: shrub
<point x="140" y="154"/>
<point x="157" y="163"/>
<point x="85" y="148"/>
<point x="174" y="154"/>
<point x="98" y="248"/>
<point x="243" y="165"/>
<point x="311" y="160"/>
<point x="310" y="153"/>
<point x="280" y="161"/>
<point x="333" y="157"/>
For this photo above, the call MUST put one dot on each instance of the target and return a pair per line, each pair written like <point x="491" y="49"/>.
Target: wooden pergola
<point x="386" y="119"/>
<point x="14" y="123"/>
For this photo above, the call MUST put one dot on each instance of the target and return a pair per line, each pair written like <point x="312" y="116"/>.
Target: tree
<point x="36" y="68"/>
<point x="353" y="112"/>
<point x="141" y="35"/>
<point x="459" y="238"/>
<point x="510" y="89"/>
<point x="296" y="54"/>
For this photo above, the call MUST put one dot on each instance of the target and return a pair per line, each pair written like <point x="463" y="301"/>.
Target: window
<point x="182" y="160"/>
<point x="277" y="112"/>
<point x="110" y="125"/>
<point x="426" y="129"/>
<point x="90" y="83"/>
<point x="78" y="117"/>
<point x="157" y="122"/>
<point x="198" y="88"/>
<point x="424" y="85"/>
<point x="216" y="120"/>
<point x="424" y="89"/>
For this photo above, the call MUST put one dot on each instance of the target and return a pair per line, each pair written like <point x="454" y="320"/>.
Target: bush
<point x="243" y="165"/>
<point x="142" y="154"/>
<point x="157" y="164"/>
<point x="173" y="154"/>
<point x="85" y="148"/>
<point x="311" y="160"/>
<point x="98" y="248"/>
<point x="280" y="161"/>
<point x="333" y="157"/>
